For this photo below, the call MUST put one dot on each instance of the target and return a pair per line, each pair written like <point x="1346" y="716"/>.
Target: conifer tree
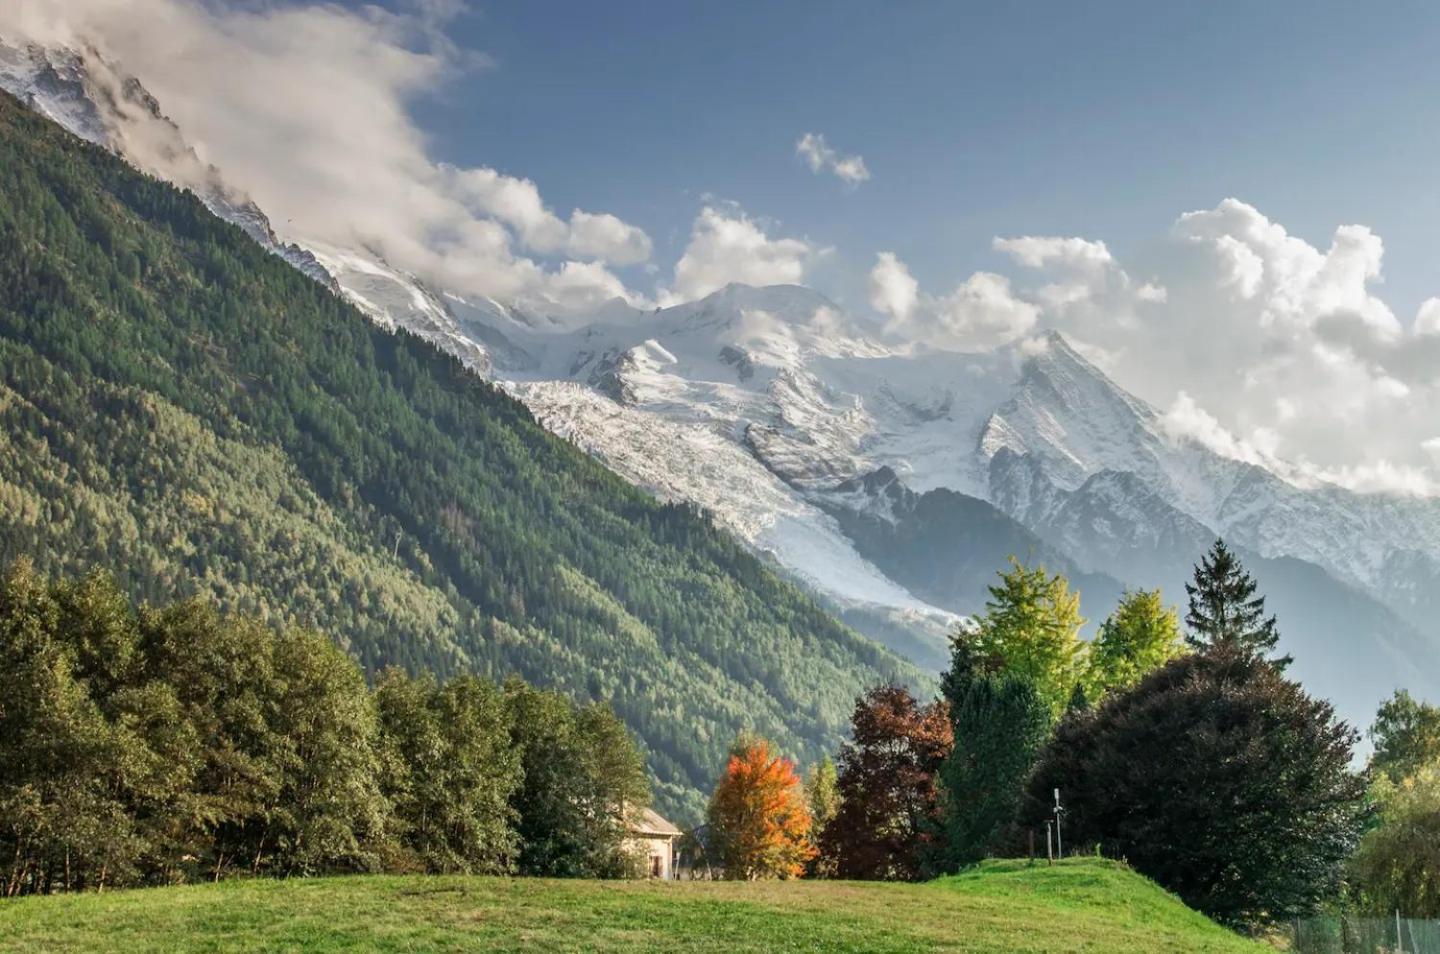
<point x="1225" y="610"/>
<point x="999" y="721"/>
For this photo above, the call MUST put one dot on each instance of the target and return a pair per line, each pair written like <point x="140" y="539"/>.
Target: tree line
<point x="162" y="745"/>
<point x="1182" y="749"/>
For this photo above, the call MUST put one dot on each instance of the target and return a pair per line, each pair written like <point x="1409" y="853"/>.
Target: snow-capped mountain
<point x="893" y="480"/>
<point x="93" y="99"/>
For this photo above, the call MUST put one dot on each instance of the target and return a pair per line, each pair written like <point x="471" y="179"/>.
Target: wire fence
<point x="1345" y="934"/>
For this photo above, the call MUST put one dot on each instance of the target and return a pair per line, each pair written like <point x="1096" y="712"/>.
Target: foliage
<point x="888" y="788"/>
<point x="822" y="795"/>
<point x="1225" y="609"/>
<point x="999" y="907"/>
<point x="1218" y="778"/>
<point x="582" y="778"/>
<point x="185" y="408"/>
<point x="1406" y="733"/>
<point x="172" y="744"/>
<point x="759" y="822"/>
<point x="1140" y="635"/>
<point x="1397" y="866"/>
<point x="450" y="770"/>
<point x="1031" y="629"/>
<point x="998" y="721"/>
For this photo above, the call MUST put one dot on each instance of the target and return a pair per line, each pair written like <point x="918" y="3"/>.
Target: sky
<point x="975" y="120"/>
<point x="1229" y="207"/>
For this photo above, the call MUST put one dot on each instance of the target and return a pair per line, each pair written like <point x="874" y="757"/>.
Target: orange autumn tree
<point x="759" y="819"/>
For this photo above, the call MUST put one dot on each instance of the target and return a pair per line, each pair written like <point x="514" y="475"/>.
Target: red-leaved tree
<point x="889" y="811"/>
<point x="759" y="819"/>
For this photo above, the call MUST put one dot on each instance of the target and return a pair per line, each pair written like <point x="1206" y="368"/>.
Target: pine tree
<point x="1224" y="607"/>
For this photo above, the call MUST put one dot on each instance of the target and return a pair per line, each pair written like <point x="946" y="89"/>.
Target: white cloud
<point x="893" y="290"/>
<point x="1427" y="319"/>
<point x="728" y="246"/>
<point x="980" y="313"/>
<point x="1260" y="345"/>
<point x="820" y="157"/>
<point x="307" y="109"/>
<point x="1185" y="419"/>
<point x="1035" y="251"/>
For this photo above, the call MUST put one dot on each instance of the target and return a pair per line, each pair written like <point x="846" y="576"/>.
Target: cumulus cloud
<point x="1260" y="345"/>
<point x="821" y="157"/>
<point x="307" y="109"/>
<point x="893" y="290"/>
<point x="1256" y="343"/>
<point x="726" y="245"/>
<point x="979" y="313"/>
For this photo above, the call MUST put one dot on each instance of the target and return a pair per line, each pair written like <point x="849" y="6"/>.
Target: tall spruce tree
<point x="1225" y="610"/>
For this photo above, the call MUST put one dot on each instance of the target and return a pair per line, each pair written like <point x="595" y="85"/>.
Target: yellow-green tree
<point x="1031" y="629"/>
<point x="1397" y="866"/>
<point x="1141" y="635"/>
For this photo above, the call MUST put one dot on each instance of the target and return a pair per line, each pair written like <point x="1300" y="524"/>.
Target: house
<point x="653" y="839"/>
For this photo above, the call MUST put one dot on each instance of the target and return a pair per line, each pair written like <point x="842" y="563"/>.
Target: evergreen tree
<point x="1225" y="609"/>
<point x="1031" y="629"/>
<point x="1142" y="634"/>
<point x="998" y="722"/>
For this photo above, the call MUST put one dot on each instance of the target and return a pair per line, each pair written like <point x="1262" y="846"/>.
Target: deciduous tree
<point x="1406" y="733"/>
<point x="1397" y="866"/>
<point x="759" y="822"/>
<point x="1140" y="635"/>
<point x="1031" y="629"/>
<point x="889" y="814"/>
<point x="1216" y="777"/>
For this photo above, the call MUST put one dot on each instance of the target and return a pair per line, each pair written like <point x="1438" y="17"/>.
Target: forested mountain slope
<point x="178" y="405"/>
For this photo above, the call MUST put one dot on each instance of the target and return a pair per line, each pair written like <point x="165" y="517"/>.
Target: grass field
<point x="1079" y="905"/>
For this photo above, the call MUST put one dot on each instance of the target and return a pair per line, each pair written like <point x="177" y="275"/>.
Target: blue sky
<point x="1103" y="120"/>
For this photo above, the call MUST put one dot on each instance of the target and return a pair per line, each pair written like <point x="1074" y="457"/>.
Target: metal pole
<point x="1049" y="844"/>
<point x="1399" y="938"/>
<point x="1059" y="845"/>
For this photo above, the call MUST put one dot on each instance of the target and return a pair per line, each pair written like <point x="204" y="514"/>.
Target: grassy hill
<point x="1079" y="905"/>
<point x="182" y="408"/>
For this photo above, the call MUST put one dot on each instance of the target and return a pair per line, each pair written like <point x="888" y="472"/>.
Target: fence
<point x="1345" y="934"/>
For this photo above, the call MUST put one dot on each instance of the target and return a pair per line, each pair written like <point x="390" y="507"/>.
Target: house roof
<point x="645" y="821"/>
